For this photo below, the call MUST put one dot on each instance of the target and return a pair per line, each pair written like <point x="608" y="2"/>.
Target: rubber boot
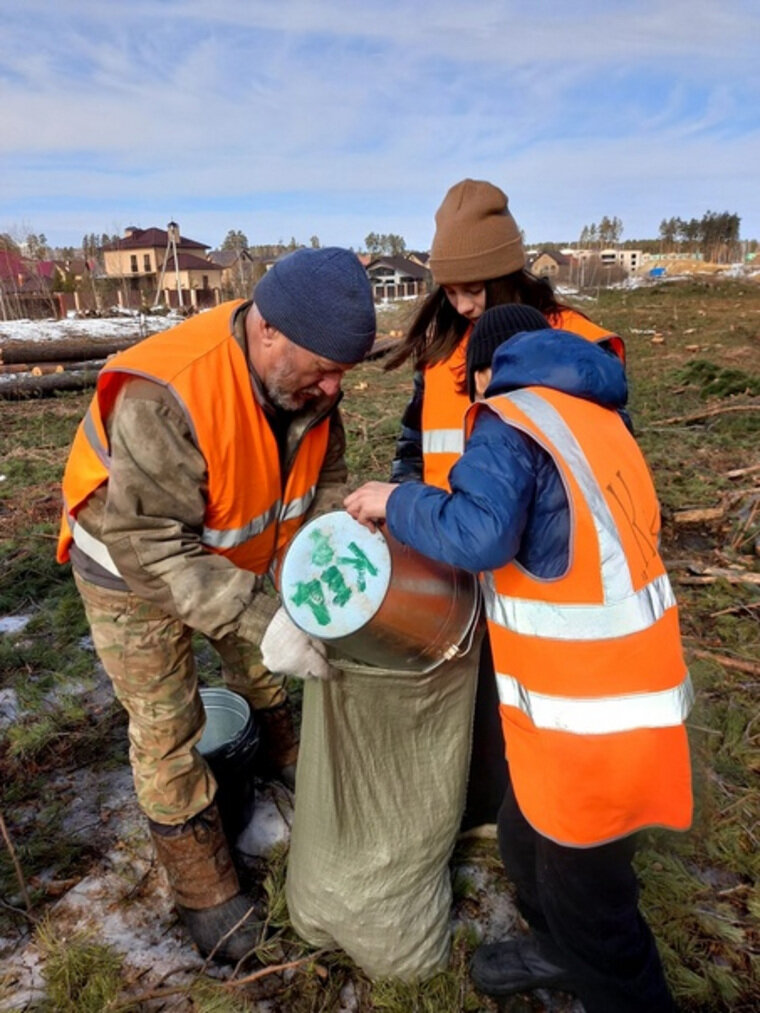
<point x="221" y="920"/>
<point x="518" y="965"/>
<point x="278" y="749"/>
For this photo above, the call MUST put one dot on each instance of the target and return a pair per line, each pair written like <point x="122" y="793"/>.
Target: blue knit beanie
<point x="493" y="328"/>
<point x="321" y="300"/>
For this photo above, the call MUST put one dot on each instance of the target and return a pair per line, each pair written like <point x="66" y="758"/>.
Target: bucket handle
<point x="456" y="650"/>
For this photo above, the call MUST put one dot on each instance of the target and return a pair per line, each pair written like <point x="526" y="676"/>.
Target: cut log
<point x="16" y="367"/>
<point x="43" y="368"/>
<point x="46" y="369"/>
<point x="741" y="472"/>
<point x="712" y="574"/>
<point x="699" y="516"/>
<point x="63" y="349"/>
<point x="733" y="576"/>
<point x="723" y="659"/>
<point x="709" y="413"/>
<point x="28" y="386"/>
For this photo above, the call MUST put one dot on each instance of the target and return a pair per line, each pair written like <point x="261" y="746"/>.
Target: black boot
<point x="229" y="931"/>
<point x="278" y="749"/>
<point x="223" y="922"/>
<point x="517" y="965"/>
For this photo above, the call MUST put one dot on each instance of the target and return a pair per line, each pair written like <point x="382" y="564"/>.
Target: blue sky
<point x="337" y="118"/>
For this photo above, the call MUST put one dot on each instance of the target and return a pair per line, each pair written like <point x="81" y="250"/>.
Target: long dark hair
<point x="437" y="328"/>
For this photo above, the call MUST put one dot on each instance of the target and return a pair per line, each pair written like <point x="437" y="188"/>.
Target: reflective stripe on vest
<point x="443" y="408"/>
<point x="592" y="683"/>
<point x="443" y="441"/>
<point x="598" y="715"/>
<point x="298" y="507"/>
<point x="230" y="538"/>
<point x="621" y="618"/>
<point x="93" y="438"/>
<point x="245" y="520"/>
<point x="624" y="610"/>
<point x="92" y="547"/>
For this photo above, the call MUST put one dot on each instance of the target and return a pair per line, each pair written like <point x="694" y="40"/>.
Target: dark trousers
<point x="582" y="904"/>
<point x="487" y="780"/>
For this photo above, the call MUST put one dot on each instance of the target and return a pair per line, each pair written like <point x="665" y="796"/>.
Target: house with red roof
<point x="162" y="266"/>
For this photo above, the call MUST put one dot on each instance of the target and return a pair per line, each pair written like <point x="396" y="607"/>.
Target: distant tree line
<point x="375" y="244"/>
<point x="607" y="233"/>
<point x="715" y="236"/>
<point x="391" y="245"/>
<point x="92" y="245"/>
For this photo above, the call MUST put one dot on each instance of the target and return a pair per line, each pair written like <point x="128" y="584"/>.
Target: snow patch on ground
<point x="270" y="825"/>
<point x="125" y="901"/>
<point x="99" y="328"/>
<point x="496" y="916"/>
<point x="125" y="904"/>
<point x="14" y="624"/>
<point x="10" y="708"/>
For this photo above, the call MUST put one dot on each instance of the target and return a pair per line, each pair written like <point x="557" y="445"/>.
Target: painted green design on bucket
<point x="323" y="552"/>
<point x="362" y="563"/>
<point x="312" y="595"/>
<point x="334" y="580"/>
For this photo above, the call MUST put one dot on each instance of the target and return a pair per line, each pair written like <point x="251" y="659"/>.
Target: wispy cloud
<point x="339" y="118"/>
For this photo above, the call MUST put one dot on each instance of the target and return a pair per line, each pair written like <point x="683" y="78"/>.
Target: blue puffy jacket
<point x="507" y="499"/>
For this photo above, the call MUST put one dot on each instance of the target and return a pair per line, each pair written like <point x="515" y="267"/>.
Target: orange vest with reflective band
<point x="592" y="683"/>
<point x="443" y="406"/>
<point x="249" y="516"/>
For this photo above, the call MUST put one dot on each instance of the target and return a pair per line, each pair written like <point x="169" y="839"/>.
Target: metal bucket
<point x="229" y="744"/>
<point x="373" y="599"/>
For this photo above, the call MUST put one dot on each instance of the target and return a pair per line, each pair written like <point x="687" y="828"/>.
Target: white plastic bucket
<point x="229" y="744"/>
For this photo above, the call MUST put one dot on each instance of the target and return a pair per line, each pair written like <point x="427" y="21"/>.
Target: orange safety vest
<point x="249" y="517"/>
<point x="443" y="406"/>
<point x="592" y="682"/>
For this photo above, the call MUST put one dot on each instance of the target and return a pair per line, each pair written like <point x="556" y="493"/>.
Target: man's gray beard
<point x="276" y="387"/>
<point x="282" y="400"/>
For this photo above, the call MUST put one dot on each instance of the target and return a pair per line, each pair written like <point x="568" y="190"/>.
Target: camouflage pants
<point x="148" y="656"/>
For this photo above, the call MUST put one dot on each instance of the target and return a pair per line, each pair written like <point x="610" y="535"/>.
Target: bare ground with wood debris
<point x="85" y="918"/>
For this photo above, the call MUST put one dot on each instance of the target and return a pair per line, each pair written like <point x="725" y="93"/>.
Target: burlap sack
<point x="380" y="790"/>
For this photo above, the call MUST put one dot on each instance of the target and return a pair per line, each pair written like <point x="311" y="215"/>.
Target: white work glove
<point x="287" y="650"/>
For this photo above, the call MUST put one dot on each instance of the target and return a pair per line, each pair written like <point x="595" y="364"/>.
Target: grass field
<point x="694" y="367"/>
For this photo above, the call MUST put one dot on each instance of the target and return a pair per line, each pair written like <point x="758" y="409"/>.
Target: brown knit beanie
<point x="476" y="238"/>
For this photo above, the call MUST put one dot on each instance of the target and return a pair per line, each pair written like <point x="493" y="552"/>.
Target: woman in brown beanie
<point x="477" y="261"/>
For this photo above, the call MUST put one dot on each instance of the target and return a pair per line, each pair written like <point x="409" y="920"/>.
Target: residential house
<point x="187" y="275"/>
<point x="239" y="271"/>
<point x="578" y="255"/>
<point x="418" y="257"/>
<point x="550" y="264"/>
<point x="629" y="260"/>
<point x="397" y="278"/>
<point x="26" y="291"/>
<point x="153" y="265"/>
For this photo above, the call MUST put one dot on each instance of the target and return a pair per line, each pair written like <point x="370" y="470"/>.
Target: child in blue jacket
<point x="511" y="503"/>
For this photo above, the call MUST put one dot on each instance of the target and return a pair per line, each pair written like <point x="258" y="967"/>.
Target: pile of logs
<point x="37" y="368"/>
